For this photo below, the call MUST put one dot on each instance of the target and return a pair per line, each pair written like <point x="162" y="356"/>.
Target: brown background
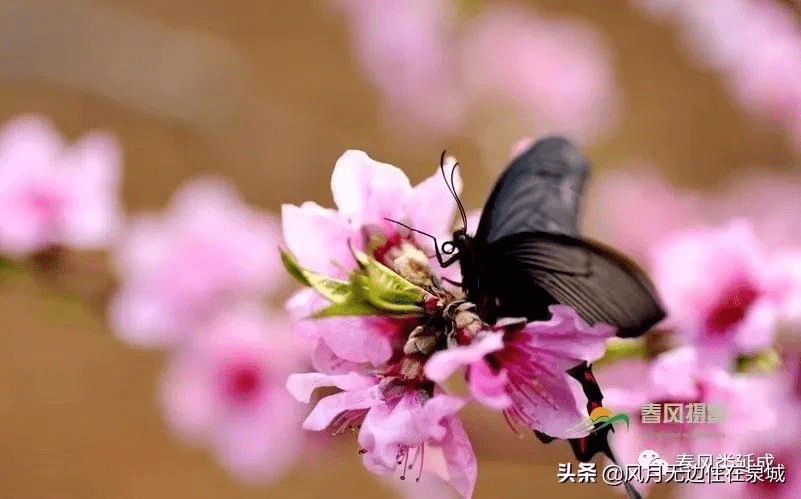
<point x="265" y="92"/>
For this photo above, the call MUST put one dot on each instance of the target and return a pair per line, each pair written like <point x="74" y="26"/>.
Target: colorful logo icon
<point x="601" y="417"/>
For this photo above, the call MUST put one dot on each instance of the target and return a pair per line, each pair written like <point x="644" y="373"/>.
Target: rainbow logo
<point x="599" y="418"/>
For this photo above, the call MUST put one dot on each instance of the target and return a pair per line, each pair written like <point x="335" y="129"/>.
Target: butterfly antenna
<point x="444" y="176"/>
<point x="413" y="230"/>
<point x="452" y="186"/>
<point x="456" y="196"/>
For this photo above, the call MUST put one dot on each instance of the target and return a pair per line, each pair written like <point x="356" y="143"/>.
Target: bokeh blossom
<point x="179" y="269"/>
<point x="741" y="405"/>
<point x="53" y="193"/>
<point x="406" y="50"/>
<point x="558" y="69"/>
<point x="718" y="291"/>
<point x="226" y="390"/>
<point x="435" y="66"/>
<point x="727" y="264"/>
<point x="781" y="440"/>
<point x="756" y="44"/>
<point x="728" y="268"/>
<point x="197" y="280"/>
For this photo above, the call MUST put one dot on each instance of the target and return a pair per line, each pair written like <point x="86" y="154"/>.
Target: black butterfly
<point x="526" y="255"/>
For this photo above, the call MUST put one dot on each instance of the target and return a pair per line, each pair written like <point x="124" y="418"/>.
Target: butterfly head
<point x="460" y="244"/>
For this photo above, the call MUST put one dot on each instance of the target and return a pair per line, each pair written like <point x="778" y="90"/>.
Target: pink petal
<point x="352" y="339"/>
<point x="672" y="374"/>
<point x="367" y="191"/>
<point x="557" y="414"/>
<point x="326" y="361"/>
<point x="489" y="387"/>
<point x="96" y="164"/>
<point x="188" y="400"/>
<point x="409" y="423"/>
<point x="444" y="363"/>
<point x="260" y="447"/>
<point x="29" y="144"/>
<point x="460" y="458"/>
<point x="309" y="228"/>
<point x="140" y="318"/>
<point x="566" y="335"/>
<point x="332" y="406"/>
<point x="301" y="386"/>
<point x="430" y="417"/>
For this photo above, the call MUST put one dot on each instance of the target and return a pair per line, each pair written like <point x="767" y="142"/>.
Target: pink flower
<point x="405" y="49"/>
<point x="521" y="368"/>
<point x="433" y="68"/>
<point x="638" y="209"/>
<point x="782" y="440"/>
<point x="52" y="193"/>
<point x="769" y="202"/>
<point x="226" y="390"/>
<point x="717" y="291"/>
<point x="349" y="339"/>
<point x="366" y="193"/>
<point x="397" y="422"/>
<point x="559" y="68"/>
<point x="755" y="43"/>
<point x="702" y="258"/>
<point x="681" y="381"/>
<point x="178" y="269"/>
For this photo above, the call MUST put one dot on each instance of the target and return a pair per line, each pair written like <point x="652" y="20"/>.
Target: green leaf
<point x="350" y="307"/>
<point x="386" y="289"/>
<point x="293" y="268"/>
<point x="764" y="362"/>
<point x="333" y="289"/>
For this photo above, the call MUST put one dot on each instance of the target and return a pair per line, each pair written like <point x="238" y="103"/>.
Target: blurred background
<point x="269" y="94"/>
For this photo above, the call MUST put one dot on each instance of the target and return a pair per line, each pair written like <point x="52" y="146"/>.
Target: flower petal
<point x="567" y="336"/>
<point x="460" y="457"/>
<point x="318" y="237"/>
<point x="301" y="386"/>
<point x="332" y="406"/>
<point x="368" y="191"/>
<point x="444" y="363"/>
<point x="489" y="387"/>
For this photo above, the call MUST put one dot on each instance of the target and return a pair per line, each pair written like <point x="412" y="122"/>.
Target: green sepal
<point x="333" y="289"/>
<point x="386" y="289"/>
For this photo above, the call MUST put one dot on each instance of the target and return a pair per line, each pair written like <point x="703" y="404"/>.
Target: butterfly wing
<point x="539" y="191"/>
<point x="527" y="272"/>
